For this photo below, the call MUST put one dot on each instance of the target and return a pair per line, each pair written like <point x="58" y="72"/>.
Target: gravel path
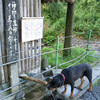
<point x="94" y="95"/>
<point x="94" y="44"/>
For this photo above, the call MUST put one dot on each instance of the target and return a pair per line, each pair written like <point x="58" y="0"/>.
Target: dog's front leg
<point x="65" y="89"/>
<point x="80" y="86"/>
<point x="72" y="90"/>
<point x="90" y="88"/>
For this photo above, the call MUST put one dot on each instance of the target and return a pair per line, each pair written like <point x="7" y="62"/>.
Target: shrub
<point x="87" y="16"/>
<point x="75" y="53"/>
<point x="54" y="11"/>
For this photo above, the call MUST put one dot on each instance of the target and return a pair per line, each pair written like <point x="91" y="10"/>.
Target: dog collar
<point x="63" y="77"/>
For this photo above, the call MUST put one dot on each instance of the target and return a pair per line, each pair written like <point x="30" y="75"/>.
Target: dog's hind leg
<point x="81" y="83"/>
<point x="65" y="89"/>
<point x="89" y="76"/>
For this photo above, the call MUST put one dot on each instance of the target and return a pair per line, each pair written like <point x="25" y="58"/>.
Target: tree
<point x="69" y="28"/>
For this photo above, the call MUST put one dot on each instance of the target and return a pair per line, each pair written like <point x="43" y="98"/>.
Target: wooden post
<point x="69" y="28"/>
<point x="3" y="41"/>
<point x="12" y="38"/>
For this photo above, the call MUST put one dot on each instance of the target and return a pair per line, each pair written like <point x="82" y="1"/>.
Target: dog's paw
<point x="63" y="92"/>
<point x="71" y="96"/>
<point x="79" y="87"/>
<point x="90" y="89"/>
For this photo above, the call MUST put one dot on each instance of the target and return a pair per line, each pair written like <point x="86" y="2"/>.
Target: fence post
<point x="88" y="43"/>
<point x="57" y="48"/>
<point x="89" y="40"/>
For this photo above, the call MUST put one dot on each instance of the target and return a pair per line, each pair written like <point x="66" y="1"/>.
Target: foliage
<point x="54" y="20"/>
<point x="75" y="53"/>
<point x="54" y="11"/>
<point x="54" y="31"/>
<point x="87" y="17"/>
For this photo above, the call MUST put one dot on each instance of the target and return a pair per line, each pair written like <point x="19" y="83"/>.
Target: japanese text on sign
<point x="11" y="30"/>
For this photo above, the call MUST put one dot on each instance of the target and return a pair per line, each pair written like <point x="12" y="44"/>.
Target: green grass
<point x="96" y="83"/>
<point x="75" y="52"/>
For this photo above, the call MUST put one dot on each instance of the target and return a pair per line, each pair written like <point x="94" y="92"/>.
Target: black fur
<point x="71" y="75"/>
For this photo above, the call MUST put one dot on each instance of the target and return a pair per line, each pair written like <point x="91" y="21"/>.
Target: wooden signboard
<point x="32" y="28"/>
<point x="11" y="29"/>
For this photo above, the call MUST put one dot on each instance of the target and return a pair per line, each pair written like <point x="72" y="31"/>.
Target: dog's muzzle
<point x="49" y="88"/>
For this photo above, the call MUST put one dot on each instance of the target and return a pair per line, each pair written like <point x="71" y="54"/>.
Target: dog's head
<point x="54" y="83"/>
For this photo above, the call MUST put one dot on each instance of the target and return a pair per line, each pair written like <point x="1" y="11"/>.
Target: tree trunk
<point x="69" y="28"/>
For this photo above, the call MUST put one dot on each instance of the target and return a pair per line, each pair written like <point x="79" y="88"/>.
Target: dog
<point x="69" y="76"/>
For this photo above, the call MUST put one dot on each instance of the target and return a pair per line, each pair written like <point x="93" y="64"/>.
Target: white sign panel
<point x="32" y="28"/>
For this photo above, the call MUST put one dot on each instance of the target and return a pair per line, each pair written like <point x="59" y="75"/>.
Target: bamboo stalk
<point x="25" y="44"/>
<point x="19" y="43"/>
<point x="36" y="15"/>
<point x="22" y="44"/>
<point x="39" y="8"/>
<point x="28" y="43"/>
<point x="29" y="54"/>
<point x="36" y="8"/>
<point x="33" y="79"/>
<point x="1" y="23"/>
<point x="27" y="6"/>
<point x="32" y="53"/>
<point x="1" y="68"/>
<point x="39" y="42"/>
<point x="32" y="42"/>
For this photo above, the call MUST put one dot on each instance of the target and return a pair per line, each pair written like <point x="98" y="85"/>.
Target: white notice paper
<point x="32" y="28"/>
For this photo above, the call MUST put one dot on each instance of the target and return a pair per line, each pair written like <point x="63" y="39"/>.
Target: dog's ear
<point x="50" y="81"/>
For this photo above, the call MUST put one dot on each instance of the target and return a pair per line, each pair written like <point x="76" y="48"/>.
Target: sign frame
<point x="31" y="28"/>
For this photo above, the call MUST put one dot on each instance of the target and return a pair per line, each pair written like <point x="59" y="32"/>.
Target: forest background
<point x="86" y="18"/>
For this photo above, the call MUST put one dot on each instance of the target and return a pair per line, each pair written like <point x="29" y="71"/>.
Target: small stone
<point x="20" y="95"/>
